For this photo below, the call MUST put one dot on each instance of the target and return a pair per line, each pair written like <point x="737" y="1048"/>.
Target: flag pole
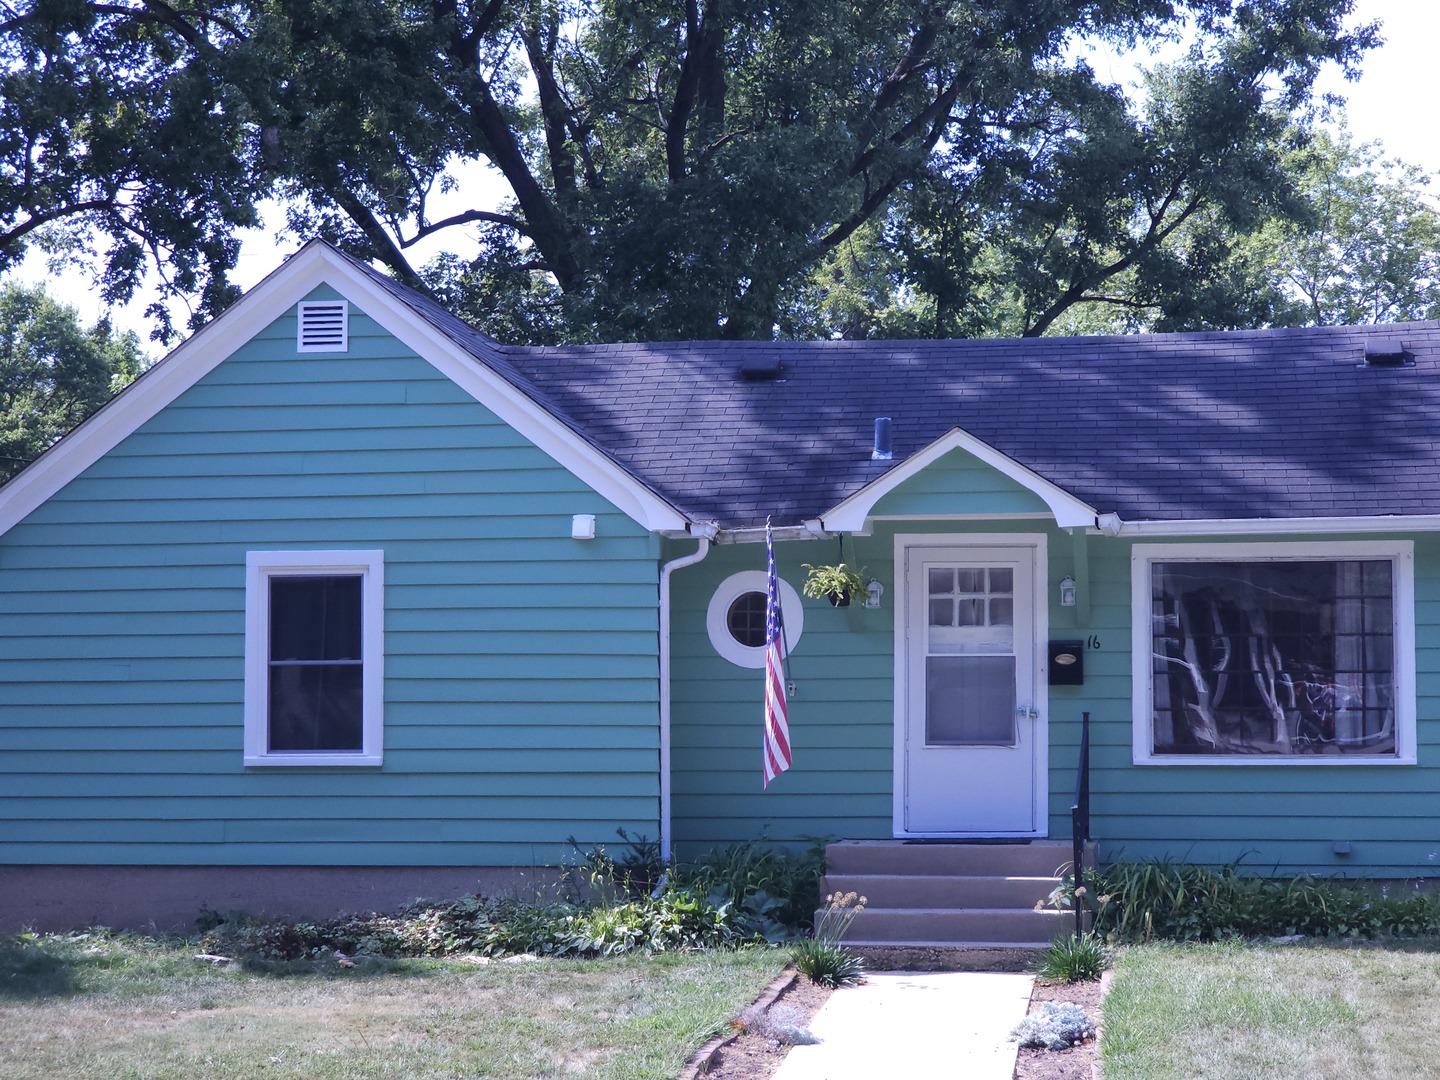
<point x="775" y="743"/>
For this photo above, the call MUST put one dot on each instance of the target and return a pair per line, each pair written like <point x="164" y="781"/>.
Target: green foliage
<point x="1077" y="958"/>
<point x="823" y="958"/>
<point x="668" y="176"/>
<point x="1367" y="247"/>
<point x="834" y="582"/>
<point x="826" y="963"/>
<point x="636" y="872"/>
<point x="53" y="372"/>
<point x="737" y="895"/>
<point x="491" y="927"/>
<point x="770" y="891"/>
<point x="1181" y="902"/>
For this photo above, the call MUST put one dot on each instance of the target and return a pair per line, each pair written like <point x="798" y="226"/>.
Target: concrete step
<point x="1036" y="858"/>
<point x="1007" y="926"/>
<point x="949" y="956"/>
<point x="940" y="890"/>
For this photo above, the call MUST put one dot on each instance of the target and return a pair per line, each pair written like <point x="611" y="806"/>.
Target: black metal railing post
<point x="1080" y="822"/>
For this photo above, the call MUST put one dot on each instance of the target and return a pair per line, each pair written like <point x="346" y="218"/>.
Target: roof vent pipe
<point x="884" y="440"/>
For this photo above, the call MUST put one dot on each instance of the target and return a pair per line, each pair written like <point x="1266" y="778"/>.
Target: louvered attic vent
<point x="324" y="326"/>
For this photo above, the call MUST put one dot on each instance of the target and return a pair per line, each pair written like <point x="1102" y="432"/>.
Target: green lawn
<point x="83" y="1007"/>
<point x="1273" y="1012"/>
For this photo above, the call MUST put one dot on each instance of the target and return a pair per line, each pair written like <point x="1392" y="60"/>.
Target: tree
<point x="53" y="372"/>
<point x="676" y="168"/>
<point x="1368" y="250"/>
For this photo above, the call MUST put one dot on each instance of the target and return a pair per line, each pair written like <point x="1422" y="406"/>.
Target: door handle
<point x="1028" y="711"/>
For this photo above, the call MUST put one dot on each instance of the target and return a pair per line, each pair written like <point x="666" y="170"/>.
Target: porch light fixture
<point x="873" y="591"/>
<point x="582" y="527"/>
<point x="1067" y="591"/>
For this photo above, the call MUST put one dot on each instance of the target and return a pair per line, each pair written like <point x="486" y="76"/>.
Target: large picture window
<point x="1264" y="653"/>
<point x="313" y="657"/>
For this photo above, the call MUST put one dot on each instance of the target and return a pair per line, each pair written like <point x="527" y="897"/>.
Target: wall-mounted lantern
<point x="1067" y="591"/>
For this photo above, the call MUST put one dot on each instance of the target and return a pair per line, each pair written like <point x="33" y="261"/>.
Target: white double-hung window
<point x="1274" y="653"/>
<point x="314" y="663"/>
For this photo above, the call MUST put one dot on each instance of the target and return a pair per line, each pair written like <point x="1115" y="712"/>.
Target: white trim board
<point x="1039" y="543"/>
<point x="319" y="264"/>
<point x="260" y="567"/>
<point x="849" y="514"/>
<point x="1385" y="523"/>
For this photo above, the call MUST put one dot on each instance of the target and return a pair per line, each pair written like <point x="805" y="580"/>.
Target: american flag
<point x="777" y="726"/>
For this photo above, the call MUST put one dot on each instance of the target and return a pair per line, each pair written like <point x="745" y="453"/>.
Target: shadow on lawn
<point x="30" y="971"/>
<point x="49" y="968"/>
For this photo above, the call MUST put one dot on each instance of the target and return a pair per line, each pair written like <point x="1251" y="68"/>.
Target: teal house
<point x="344" y="602"/>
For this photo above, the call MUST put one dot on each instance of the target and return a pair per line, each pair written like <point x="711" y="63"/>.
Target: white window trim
<point x="260" y="567"/>
<point x="737" y="585"/>
<point x="1402" y="556"/>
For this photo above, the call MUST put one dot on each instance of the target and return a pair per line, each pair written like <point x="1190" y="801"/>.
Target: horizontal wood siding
<point x="521" y="690"/>
<point x="1281" y="819"/>
<point x="840" y="713"/>
<point x="958" y="483"/>
<point x="1276" y="819"/>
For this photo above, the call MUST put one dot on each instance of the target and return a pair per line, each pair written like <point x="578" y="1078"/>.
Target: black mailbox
<point x="1067" y="663"/>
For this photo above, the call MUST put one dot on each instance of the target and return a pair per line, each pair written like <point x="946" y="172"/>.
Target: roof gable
<point x="477" y="366"/>
<point x="960" y="452"/>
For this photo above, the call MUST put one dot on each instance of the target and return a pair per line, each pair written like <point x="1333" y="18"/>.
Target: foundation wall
<point x="169" y="898"/>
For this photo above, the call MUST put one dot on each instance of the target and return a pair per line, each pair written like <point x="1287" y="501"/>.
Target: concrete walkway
<point x="915" y="1024"/>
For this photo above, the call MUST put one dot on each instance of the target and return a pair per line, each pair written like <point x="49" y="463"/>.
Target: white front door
<point x="969" y="713"/>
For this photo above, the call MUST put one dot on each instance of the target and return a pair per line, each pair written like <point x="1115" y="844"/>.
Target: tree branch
<point x="464" y="219"/>
<point x="552" y="108"/>
<point x="36" y="221"/>
<point x="697" y="71"/>
<point x="385" y="248"/>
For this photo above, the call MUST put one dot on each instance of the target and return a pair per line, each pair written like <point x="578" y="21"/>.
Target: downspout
<point x="706" y="533"/>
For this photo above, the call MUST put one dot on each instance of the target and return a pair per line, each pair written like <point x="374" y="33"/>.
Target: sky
<point x="1393" y="102"/>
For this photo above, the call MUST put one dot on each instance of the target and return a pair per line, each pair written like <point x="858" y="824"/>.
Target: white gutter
<point x="1393" y="523"/>
<point x="705" y="534"/>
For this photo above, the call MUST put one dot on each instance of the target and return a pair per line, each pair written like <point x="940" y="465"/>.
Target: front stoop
<point x="951" y="906"/>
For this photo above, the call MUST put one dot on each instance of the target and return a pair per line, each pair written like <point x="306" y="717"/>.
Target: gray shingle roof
<point x="1253" y="424"/>
<point x="1280" y="423"/>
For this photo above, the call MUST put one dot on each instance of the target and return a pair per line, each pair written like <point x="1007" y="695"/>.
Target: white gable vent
<point x="324" y="326"/>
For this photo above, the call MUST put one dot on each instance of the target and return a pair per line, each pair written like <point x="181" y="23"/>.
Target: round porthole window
<point x="736" y="618"/>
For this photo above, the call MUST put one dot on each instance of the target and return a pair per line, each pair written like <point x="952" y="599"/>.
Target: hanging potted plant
<point x="837" y="583"/>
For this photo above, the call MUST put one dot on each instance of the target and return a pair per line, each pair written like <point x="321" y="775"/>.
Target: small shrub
<point x="492" y="927"/>
<point x="1182" y="902"/>
<point x="823" y="959"/>
<point x="636" y="871"/>
<point x="783" y="1024"/>
<point x="1077" y="958"/>
<point x="1056" y="1025"/>
<point x="772" y="892"/>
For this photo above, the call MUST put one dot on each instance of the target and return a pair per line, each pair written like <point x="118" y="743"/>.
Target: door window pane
<point x="970" y="700"/>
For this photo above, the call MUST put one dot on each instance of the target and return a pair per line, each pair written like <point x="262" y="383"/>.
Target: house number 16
<point x="1092" y="642"/>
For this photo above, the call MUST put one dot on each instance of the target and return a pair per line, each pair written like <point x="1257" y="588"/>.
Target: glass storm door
<point x="971" y="721"/>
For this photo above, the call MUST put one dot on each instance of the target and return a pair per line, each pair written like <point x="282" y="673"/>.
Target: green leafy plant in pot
<point x="837" y="583"/>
